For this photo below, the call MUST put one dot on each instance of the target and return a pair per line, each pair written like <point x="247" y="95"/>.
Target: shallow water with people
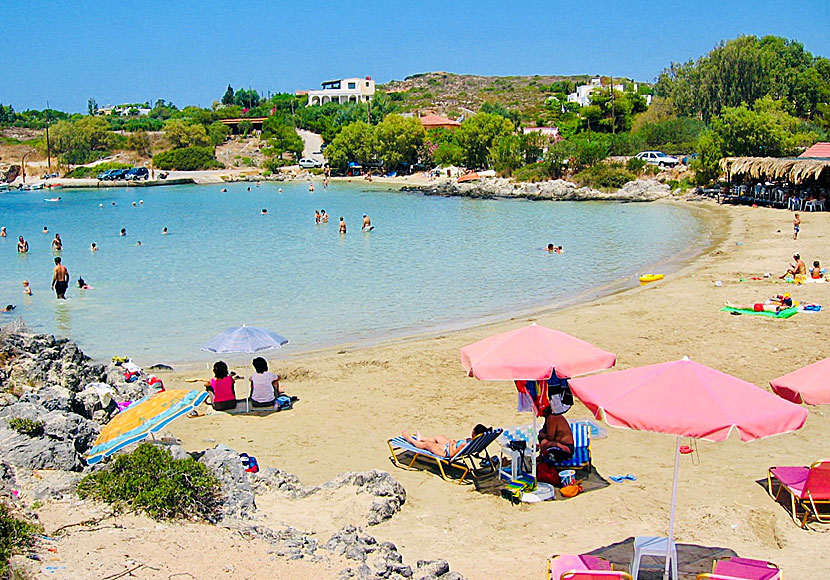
<point x="430" y="262"/>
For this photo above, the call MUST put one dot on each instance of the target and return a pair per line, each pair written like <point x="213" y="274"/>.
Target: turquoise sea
<point x="430" y="263"/>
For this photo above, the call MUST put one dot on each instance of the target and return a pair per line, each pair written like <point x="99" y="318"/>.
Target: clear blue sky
<point x="188" y="52"/>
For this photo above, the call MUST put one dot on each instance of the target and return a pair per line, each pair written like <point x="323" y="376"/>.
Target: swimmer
<point x="317" y="217"/>
<point x="223" y="190"/>
<point x="27" y="290"/>
<point x="249" y="189"/>
<point x="342" y="225"/>
<point x="22" y="245"/>
<point x="83" y="285"/>
<point x="324" y="216"/>
<point x="551" y="248"/>
<point x="100" y="205"/>
<point x="8" y="308"/>
<point x="559" y="250"/>
<point x="311" y="186"/>
<point x="45" y="230"/>
<point x="123" y="231"/>
<point x="367" y="224"/>
<point x="3" y="232"/>
<point x="57" y="243"/>
<point x="93" y="247"/>
<point x="134" y="205"/>
<point x="257" y="183"/>
<point x="138" y="243"/>
<point x="164" y="232"/>
<point x="264" y="211"/>
<point x="279" y="190"/>
<point x="113" y="204"/>
<point x="140" y="202"/>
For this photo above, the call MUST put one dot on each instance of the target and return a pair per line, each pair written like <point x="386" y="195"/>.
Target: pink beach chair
<point x="742" y="569"/>
<point x="809" y="488"/>
<point x="582" y="567"/>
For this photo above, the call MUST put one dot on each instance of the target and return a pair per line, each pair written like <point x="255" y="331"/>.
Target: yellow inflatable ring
<point x="646" y="278"/>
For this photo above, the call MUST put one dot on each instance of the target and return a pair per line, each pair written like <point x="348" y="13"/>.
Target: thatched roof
<point x="792" y="169"/>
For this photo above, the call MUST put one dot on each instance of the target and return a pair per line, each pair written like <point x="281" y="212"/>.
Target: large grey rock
<point x="390" y="495"/>
<point x="238" y="500"/>
<point x="375" y="559"/>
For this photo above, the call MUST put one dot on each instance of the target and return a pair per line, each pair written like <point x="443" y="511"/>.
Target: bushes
<point x="149" y="480"/>
<point x="187" y="159"/>
<point x="532" y="173"/>
<point x="605" y="176"/>
<point x="15" y="535"/>
<point x="28" y="427"/>
<point x="93" y="171"/>
<point x="635" y="165"/>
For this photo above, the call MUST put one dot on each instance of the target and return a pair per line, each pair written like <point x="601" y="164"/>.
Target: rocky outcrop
<point x="556" y="190"/>
<point x="237" y="490"/>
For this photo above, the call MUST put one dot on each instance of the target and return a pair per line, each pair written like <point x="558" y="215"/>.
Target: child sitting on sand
<point x="441" y="445"/>
<point x="222" y="396"/>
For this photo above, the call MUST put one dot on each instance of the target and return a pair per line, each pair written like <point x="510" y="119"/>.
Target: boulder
<point x="238" y="494"/>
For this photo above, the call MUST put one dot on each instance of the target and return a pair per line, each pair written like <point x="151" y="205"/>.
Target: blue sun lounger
<point x="463" y="458"/>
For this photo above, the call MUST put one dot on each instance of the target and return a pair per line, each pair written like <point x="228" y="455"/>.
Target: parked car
<point x="308" y="163"/>
<point x="658" y="158"/>
<point x="137" y="173"/>
<point x="105" y="176"/>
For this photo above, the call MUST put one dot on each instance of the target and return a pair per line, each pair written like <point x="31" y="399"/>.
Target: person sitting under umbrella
<point x="222" y="395"/>
<point x="265" y="385"/>
<point x="556" y="439"/>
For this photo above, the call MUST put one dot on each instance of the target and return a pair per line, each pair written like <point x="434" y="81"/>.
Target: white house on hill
<point x="353" y="90"/>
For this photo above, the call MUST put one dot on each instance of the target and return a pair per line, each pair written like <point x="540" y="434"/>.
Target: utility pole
<point x="48" y="144"/>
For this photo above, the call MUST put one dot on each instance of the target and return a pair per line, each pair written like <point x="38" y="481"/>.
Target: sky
<point x="188" y="52"/>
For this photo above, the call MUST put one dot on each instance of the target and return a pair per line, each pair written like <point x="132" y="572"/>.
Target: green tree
<point x="356" y="142"/>
<point x="227" y="98"/>
<point x="139" y="141"/>
<point x="280" y="139"/>
<point x="91" y="106"/>
<point x="180" y="134"/>
<point x="246" y="98"/>
<point x="478" y="134"/>
<point x="506" y="154"/>
<point x="81" y="141"/>
<point x="501" y="110"/>
<point x="398" y="140"/>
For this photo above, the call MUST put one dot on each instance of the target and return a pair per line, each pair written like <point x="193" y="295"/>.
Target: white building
<point x="583" y="92"/>
<point x="552" y="132"/>
<point x="353" y="90"/>
<point x="123" y="110"/>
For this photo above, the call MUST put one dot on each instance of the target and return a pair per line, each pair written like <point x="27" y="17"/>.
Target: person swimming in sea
<point x="324" y="217"/>
<point x="164" y="232"/>
<point x="83" y="285"/>
<point x="264" y="211"/>
<point x="551" y="248"/>
<point x="342" y="225"/>
<point x="123" y="231"/>
<point x="317" y="217"/>
<point x="93" y="247"/>
<point x="367" y="224"/>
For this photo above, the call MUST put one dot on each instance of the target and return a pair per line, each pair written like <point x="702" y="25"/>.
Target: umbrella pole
<point x="673" y="504"/>
<point x="533" y="449"/>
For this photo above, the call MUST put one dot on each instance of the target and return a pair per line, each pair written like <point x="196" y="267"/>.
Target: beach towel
<point x="786" y="313"/>
<point x="533" y="396"/>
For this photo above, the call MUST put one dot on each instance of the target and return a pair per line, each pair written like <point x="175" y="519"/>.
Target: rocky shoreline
<point x="44" y="380"/>
<point x="641" y="190"/>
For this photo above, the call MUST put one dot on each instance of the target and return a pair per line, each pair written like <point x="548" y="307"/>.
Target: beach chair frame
<point x="463" y="459"/>
<point x="589" y="574"/>
<point x="713" y="575"/>
<point x="805" y="499"/>
<point x="582" y="448"/>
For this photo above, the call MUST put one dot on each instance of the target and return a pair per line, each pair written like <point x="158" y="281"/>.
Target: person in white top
<point x="265" y="385"/>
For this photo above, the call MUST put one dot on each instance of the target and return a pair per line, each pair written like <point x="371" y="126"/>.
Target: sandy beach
<point x="352" y="400"/>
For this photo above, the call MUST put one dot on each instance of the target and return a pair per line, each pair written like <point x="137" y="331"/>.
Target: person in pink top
<point x="222" y="395"/>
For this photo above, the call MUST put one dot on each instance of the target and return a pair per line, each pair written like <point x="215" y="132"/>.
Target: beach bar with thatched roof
<point x="799" y="183"/>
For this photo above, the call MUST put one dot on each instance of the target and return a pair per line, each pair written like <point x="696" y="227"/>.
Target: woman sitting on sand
<point x="441" y="445"/>
<point x="222" y="395"/>
<point x="265" y="385"/>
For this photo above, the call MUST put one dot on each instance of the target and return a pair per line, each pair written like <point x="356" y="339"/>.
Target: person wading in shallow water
<point x="60" y="279"/>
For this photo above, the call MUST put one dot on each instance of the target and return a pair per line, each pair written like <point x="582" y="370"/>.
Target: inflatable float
<point x="646" y="278"/>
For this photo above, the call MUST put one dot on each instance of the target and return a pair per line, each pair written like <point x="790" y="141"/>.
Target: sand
<point x="353" y="399"/>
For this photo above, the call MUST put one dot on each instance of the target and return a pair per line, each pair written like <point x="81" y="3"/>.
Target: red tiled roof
<point x="434" y="120"/>
<point x="818" y="150"/>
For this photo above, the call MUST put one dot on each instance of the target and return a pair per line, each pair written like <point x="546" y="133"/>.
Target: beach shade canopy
<point x="686" y="399"/>
<point x="533" y="353"/>
<point x="146" y="416"/>
<point x="247" y="339"/>
<point x="810" y="385"/>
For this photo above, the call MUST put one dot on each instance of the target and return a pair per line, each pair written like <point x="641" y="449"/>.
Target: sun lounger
<point x="582" y="448"/>
<point x="582" y="567"/>
<point x="742" y="569"/>
<point x="463" y="458"/>
<point x="809" y="488"/>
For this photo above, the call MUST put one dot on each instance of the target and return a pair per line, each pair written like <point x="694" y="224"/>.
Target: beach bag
<point x="547" y="474"/>
<point x="283" y="403"/>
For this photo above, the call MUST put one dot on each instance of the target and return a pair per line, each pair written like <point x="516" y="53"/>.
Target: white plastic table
<point x="652" y="546"/>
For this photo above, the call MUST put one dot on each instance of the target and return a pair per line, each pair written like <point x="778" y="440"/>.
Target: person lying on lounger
<point x="757" y="307"/>
<point x="441" y="445"/>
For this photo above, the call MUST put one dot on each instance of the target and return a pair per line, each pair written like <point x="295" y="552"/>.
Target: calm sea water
<point x="429" y="263"/>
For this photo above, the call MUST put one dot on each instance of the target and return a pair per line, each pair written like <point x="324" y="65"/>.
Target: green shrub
<point x="28" y="427"/>
<point x="15" y="535"/>
<point x="149" y="480"/>
<point x="80" y="172"/>
<point x="605" y="176"/>
<point x="187" y="159"/>
<point x="635" y="165"/>
<point x="532" y="173"/>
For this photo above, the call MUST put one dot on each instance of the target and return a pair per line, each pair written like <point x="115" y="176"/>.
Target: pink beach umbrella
<point x="533" y="353"/>
<point x="810" y="384"/>
<point x="686" y="399"/>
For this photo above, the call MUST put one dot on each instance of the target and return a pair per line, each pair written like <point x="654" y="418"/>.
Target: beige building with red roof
<point x="437" y="122"/>
<point x="821" y="150"/>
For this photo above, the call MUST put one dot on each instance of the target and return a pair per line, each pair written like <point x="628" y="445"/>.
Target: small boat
<point x="469" y="177"/>
<point x="646" y="278"/>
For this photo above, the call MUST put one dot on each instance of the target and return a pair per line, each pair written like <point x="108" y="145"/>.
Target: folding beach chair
<point x="463" y="458"/>
<point x="582" y="448"/>
<point x="595" y="575"/>
<point x="742" y="569"/>
<point x="809" y="488"/>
